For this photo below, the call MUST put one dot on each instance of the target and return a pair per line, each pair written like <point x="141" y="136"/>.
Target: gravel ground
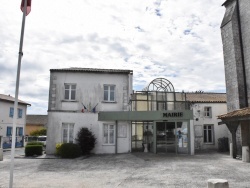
<point x="125" y="170"/>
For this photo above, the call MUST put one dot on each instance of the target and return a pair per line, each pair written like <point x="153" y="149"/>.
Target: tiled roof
<point x="11" y="99"/>
<point x="244" y="112"/>
<point x="77" y="69"/>
<point x="36" y="119"/>
<point x="206" y="97"/>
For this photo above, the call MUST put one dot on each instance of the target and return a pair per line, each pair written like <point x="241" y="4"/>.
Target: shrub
<point x="40" y="132"/>
<point x="31" y="150"/>
<point x="86" y="140"/>
<point x="70" y="150"/>
<point x="35" y="143"/>
<point x="58" y="149"/>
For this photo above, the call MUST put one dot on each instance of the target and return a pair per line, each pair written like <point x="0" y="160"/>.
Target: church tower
<point x="235" y="31"/>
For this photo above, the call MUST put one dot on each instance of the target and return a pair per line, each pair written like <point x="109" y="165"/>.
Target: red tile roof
<point x="11" y="99"/>
<point x="244" y="112"/>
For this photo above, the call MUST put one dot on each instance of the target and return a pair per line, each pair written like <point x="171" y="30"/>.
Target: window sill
<point x="108" y="144"/>
<point x="208" y="143"/>
<point x="109" y="102"/>
<point x="69" y="100"/>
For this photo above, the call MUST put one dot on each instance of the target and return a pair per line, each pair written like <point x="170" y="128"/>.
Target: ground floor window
<point x="109" y="134"/>
<point x="208" y="134"/>
<point x="67" y="132"/>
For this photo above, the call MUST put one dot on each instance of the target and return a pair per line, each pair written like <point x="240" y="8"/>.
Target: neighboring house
<point x="206" y="107"/>
<point x="157" y="119"/>
<point x="6" y="120"/>
<point x="35" y="122"/>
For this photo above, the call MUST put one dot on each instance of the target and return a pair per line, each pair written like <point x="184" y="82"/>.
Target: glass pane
<point x="205" y="135"/>
<point x="105" y="95"/>
<point x="209" y="135"/>
<point x="66" y="86"/>
<point x="73" y="87"/>
<point x="73" y="95"/>
<point x="112" y="88"/>
<point x="105" y="138"/>
<point x="112" y="96"/>
<point x="111" y="137"/>
<point x="111" y="126"/>
<point x="71" y="131"/>
<point x="65" y="131"/>
<point x="66" y="94"/>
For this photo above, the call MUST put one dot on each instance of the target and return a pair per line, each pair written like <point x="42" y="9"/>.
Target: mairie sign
<point x="173" y="114"/>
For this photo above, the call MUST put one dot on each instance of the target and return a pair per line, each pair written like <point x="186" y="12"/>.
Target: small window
<point x="19" y="131"/>
<point x="109" y="134"/>
<point x="67" y="132"/>
<point x="208" y="112"/>
<point x="70" y="92"/>
<point x="20" y="113"/>
<point x="109" y="93"/>
<point x="208" y="134"/>
<point x="11" y="112"/>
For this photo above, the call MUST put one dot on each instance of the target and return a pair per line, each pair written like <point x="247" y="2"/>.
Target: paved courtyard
<point x="125" y="170"/>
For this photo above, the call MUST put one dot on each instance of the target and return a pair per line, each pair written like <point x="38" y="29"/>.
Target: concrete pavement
<point x="126" y="170"/>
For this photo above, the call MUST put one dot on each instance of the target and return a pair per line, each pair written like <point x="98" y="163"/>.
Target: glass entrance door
<point x="166" y="137"/>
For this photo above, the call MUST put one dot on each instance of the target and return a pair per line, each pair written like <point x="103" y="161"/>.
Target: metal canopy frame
<point x="160" y="84"/>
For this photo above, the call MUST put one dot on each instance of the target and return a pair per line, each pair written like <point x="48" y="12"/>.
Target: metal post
<point x="16" y="97"/>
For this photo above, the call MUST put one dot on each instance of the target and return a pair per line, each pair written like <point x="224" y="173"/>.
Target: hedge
<point x="34" y="143"/>
<point x="70" y="150"/>
<point x="31" y="150"/>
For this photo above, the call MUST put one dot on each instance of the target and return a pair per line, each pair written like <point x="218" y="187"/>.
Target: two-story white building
<point x="157" y="119"/>
<point x="6" y="120"/>
<point x="206" y="108"/>
<point x="75" y="97"/>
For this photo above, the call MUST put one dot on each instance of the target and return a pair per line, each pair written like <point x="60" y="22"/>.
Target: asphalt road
<point x="125" y="170"/>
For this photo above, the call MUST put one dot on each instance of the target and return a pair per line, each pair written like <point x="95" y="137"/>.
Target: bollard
<point x="217" y="183"/>
<point x="1" y="154"/>
<point x="245" y="154"/>
<point x="231" y="149"/>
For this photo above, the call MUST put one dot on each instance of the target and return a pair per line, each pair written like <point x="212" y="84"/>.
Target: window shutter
<point x="11" y="112"/>
<point x="20" y="131"/>
<point x="9" y="129"/>
<point x="20" y="113"/>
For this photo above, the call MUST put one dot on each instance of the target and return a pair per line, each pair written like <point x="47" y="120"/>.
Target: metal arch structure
<point x="160" y="84"/>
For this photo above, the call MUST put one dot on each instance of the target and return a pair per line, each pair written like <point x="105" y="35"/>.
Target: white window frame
<point x="70" y="90"/>
<point x="206" y="129"/>
<point x="110" y="130"/>
<point x="109" y="93"/>
<point x="208" y="111"/>
<point x="68" y="127"/>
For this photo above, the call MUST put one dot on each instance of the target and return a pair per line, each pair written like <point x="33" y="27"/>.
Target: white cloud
<point x="176" y="39"/>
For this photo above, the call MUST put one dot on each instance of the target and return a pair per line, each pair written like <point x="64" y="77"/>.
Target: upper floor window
<point x="208" y="111"/>
<point x="70" y="92"/>
<point x="109" y="93"/>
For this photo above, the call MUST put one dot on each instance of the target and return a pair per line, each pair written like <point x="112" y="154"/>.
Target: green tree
<point x="86" y="140"/>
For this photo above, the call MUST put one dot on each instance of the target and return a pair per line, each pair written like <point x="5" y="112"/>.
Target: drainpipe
<point x="242" y="54"/>
<point x="116" y="134"/>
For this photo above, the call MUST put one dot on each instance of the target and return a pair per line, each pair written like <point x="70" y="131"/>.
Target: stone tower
<point x="235" y="31"/>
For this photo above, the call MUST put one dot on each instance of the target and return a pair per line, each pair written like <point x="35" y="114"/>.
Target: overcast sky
<point x="176" y="39"/>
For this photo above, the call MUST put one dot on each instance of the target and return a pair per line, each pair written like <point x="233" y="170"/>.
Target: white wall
<point x="90" y="121"/>
<point x="199" y="119"/>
